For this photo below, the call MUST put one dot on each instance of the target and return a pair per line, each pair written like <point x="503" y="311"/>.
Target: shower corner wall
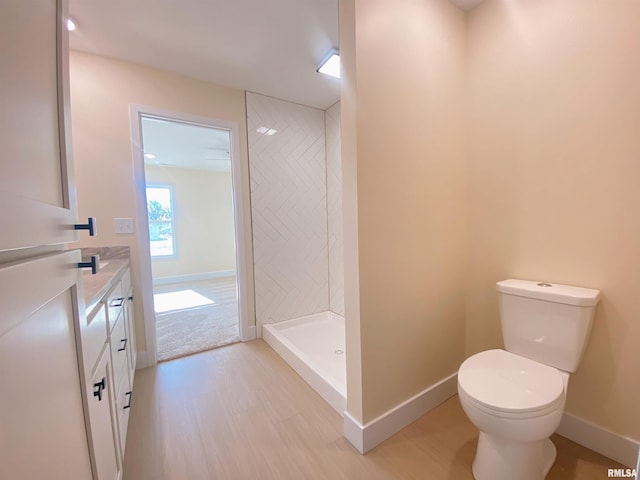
<point x="334" y="209"/>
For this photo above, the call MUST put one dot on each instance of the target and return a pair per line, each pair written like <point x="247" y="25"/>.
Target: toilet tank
<point x="548" y="323"/>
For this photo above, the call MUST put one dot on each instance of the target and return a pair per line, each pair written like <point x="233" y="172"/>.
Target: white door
<point x="42" y="428"/>
<point x="36" y="178"/>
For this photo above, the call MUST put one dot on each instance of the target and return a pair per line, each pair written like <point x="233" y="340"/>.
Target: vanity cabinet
<point x="107" y="350"/>
<point x="102" y="422"/>
<point x="58" y="417"/>
<point x="121" y="352"/>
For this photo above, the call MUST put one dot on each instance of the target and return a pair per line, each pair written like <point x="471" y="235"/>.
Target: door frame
<point x="247" y="332"/>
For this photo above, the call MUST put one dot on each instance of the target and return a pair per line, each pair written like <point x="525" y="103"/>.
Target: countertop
<point x="114" y="261"/>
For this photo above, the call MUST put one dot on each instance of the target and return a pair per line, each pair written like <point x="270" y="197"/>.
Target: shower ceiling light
<point x="266" y="131"/>
<point x="331" y="65"/>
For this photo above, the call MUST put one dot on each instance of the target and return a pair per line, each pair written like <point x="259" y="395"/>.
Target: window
<point x="161" y="220"/>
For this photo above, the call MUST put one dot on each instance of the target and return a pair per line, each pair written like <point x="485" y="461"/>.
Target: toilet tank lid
<point x="551" y="292"/>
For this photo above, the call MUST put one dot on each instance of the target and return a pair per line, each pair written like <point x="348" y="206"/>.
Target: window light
<point x="331" y="65"/>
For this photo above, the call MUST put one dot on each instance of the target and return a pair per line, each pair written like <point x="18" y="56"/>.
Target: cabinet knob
<point x="93" y="264"/>
<point x="91" y="225"/>
<point x="98" y="388"/>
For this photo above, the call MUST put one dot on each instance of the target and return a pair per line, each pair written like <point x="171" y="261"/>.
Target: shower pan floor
<point x="314" y="346"/>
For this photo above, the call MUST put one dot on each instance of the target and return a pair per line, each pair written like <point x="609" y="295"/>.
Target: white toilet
<point x="516" y="396"/>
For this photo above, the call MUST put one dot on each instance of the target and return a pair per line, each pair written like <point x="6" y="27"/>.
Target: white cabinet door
<point x="102" y="420"/>
<point x="37" y="191"/>
<point x="42" y="425"/>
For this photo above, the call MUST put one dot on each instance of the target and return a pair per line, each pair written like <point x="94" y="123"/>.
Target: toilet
<point x="516" y="396"/>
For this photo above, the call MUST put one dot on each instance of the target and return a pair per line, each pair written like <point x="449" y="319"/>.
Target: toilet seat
<point x="508" y="385"/>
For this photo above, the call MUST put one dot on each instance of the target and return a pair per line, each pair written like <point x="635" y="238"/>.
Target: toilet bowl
<point x="516" y="403"/>
<point x="516" y="396"/>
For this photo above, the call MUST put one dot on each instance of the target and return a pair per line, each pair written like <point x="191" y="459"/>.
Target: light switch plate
<point x="123" y="225"/>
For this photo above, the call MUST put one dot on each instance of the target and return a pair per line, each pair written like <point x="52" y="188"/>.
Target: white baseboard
<point x="141" y="360"/>
<point x="193" y="277"/>
<point x="619" y="448"/>
<point x="250" y="334"/>
<point x="612" y="445"/>
<point x="366" y="437"/>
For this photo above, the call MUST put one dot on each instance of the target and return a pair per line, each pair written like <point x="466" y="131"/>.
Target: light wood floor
<point x="240" y="412"/>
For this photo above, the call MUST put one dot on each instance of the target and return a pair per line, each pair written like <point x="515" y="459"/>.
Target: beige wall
<point x="554" y="173"/>
<point x="101" y="91"/>
<point x="406" y="116"/>
<point x="204" y="236"/>
<point x="542" y="183"/>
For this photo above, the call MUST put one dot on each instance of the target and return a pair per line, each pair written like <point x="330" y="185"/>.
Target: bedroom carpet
<point x="192" y="327"/>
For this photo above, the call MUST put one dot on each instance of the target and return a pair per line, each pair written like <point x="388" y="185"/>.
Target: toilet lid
<point x="506" y="382"/>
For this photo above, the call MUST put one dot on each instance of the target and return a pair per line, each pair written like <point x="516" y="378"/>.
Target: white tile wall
<point x="334" y="210"/>
<point x="289" y="209"/>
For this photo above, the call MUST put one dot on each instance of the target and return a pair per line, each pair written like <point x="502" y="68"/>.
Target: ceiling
<point x="184" y="145"/>
<point x="271" y="47"/>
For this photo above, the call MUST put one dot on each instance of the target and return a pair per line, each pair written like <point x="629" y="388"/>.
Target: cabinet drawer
<point x="119" y="350"/>
<point x="123" y="404"/>
<point x="94" y="337"/>
<point x="115" y="304"/>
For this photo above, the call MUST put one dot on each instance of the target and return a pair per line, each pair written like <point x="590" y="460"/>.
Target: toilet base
<point x="503" y="459"/>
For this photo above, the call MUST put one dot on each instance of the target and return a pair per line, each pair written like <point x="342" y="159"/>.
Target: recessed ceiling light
<point x="331" y="65"/>
<point x="150" y="156"/>
<point x="266" y="131"/>
<point x="71" y="25"/>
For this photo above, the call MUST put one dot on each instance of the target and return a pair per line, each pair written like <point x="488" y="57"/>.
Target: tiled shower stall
<point x="296" y="207"/>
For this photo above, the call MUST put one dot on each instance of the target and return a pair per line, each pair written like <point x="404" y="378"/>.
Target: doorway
<point x="189" y="218"/>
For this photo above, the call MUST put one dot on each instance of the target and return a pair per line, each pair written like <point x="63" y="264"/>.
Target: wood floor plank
<point x="240" y="412"/>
